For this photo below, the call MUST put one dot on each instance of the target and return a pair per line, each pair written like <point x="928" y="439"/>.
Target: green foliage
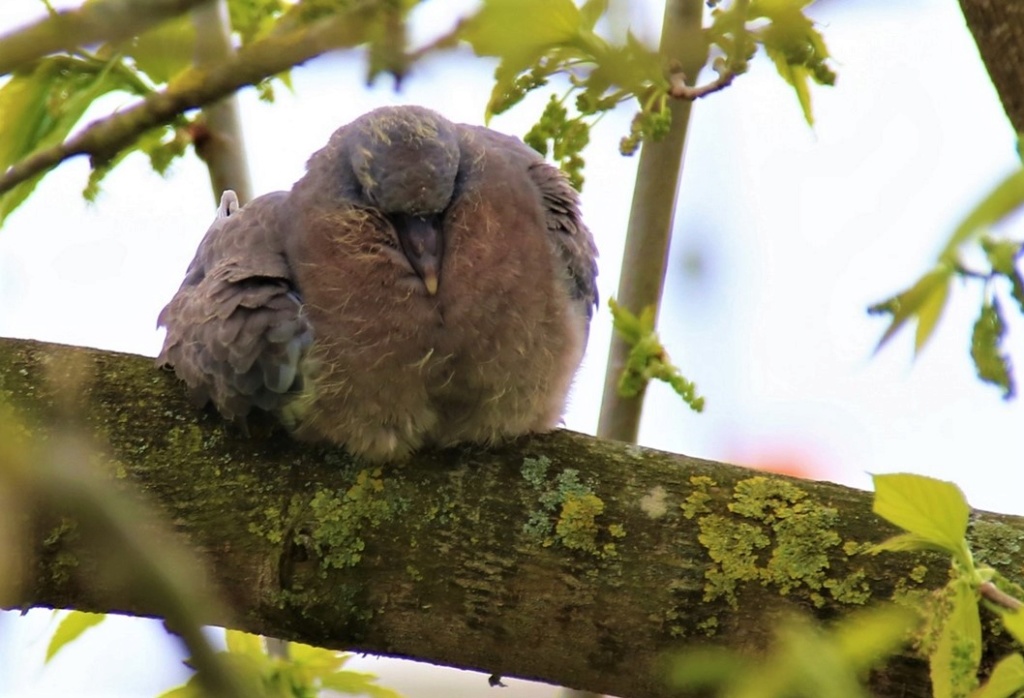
<point x="304" y="673"/>
<point x="40" y="107"/>
<point x="803" y="660"/>
<point x="925" y="300"/>
<point x="648" y="360"/>
<point x="986" y="342"/>
<point x="796" y="48"/>
<point x="71" y="627"/>
<point x="934" y="516"/>
<point x="933" y="513"/>
<point x="568" y="138"/>
<point x="536" y="39"/>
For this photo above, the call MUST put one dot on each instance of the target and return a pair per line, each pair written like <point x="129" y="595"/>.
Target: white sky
<point x="795" y="232"/>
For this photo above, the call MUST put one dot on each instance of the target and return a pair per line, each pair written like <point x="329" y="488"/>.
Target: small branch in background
<point x="645" y="257"/>
<point x="94" y="22"/>
<point x="680" y="90"/>
<point x="102" y="139"/>
<point x="223" y="147"/>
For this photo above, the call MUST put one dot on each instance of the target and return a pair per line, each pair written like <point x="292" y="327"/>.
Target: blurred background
<point x="783" y="236"/>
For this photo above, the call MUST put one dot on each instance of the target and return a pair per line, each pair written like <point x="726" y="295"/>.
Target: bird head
<point x="406" y="160"/>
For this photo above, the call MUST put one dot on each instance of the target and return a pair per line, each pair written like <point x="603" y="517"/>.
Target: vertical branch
<point x="222" y="146"/>
<point x="645" y="257"/>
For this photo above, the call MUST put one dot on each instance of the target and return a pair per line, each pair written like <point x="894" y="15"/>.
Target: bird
<point x="424" y="284"/>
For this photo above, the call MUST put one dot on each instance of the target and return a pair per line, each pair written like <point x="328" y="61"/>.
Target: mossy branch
<point x="560" y="557"/>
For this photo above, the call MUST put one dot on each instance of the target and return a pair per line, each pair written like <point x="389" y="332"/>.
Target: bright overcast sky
<point x="783" y="236"/>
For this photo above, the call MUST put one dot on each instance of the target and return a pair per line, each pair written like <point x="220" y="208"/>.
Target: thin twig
<point x="102" y="139"/>
<point x="680" y="90"/>
<point x="999" y="597"/>
<point x="94" y="22"/>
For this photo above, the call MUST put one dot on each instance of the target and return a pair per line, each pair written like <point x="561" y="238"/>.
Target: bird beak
<point x="423" y="244"/>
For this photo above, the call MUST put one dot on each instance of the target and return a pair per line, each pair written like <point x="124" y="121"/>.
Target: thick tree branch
<point x="562" y="557"/>
<point x="102" y="139"/>
<point x="94" y="22"/>
<point x="998" y="29"/>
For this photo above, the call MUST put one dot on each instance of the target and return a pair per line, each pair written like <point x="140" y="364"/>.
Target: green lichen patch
<point x="697" y="501"/>
<point x="775" y="536"/>
<point x="566" y="511"/>
<point x="340" y="521"/>
<point x="577" y="526"/>
<point x="997" y="545"/>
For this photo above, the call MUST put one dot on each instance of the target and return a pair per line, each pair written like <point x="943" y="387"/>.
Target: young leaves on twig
<point x="648" y="359"/>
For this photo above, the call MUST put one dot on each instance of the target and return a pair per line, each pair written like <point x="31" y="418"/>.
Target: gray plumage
<point x="424" y="283"/>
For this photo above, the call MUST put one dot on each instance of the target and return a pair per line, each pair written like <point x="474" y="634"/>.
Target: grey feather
<point x="424" y="283"/>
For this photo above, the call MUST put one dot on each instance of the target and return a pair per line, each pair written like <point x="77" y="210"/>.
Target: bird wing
<point x="568" y="234"/>
<point x="236" y="328"/>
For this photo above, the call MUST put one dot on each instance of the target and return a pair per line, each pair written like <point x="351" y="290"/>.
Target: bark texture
<point x="562" y="557"/>
<point x="998" y="29"/>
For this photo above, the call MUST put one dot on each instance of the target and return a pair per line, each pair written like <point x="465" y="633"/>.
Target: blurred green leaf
<point x="1007" y="197"/>
<point x="164" y="51"/>
<point x="251" y="19"/>
<point x="71" y="627"/>
<point x="1013" y="621"/>
<point x="935" y="510"/>
<point x="992" y="365"/>
<point x="1007" y="678"/>
<point x="40" y="108"/>
<point x="953" y="665"/>
<point x="1003" y="256"/>
<point x="518" y="31"/>
<point x="795" y="46"/>
<point x="924" y="300"/>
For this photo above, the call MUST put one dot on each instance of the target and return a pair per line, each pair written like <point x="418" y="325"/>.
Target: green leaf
<point x="934" y="510"/>
<point x="924" y="300"/>
<point x="1013" y="621"/>
<point x="864" y="637"/>
<point x="999" y="203"/>
<point x="906" y="542"/>
<point x="245" y="644"/>
<point x="164" y="51"/>
<point x="39" y="109"/>
<point x="992" y="364"/>
<point x="74" y="624"/>
<point x="519" y="30"/>
<point x="1007" y="679"/>
<point x="954" y="663"/>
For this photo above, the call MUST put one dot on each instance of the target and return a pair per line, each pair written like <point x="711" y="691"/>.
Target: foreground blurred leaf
<point x="954" y="663"/>
<point x="74" y="624"/>
<point x="40" y="108"/>
<point x="1007" y="679"/>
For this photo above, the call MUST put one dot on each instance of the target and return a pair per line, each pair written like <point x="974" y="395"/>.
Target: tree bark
<point x="559" y="557"/>
<point x="998" y="29"/>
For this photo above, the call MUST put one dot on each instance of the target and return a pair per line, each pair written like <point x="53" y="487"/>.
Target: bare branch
<point x="102" y="20"/>
<point x="223" y="150"/>
<point x="199" y="86"/>
<point x="645" y="257"/>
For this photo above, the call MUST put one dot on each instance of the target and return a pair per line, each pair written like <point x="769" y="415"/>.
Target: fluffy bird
<point x="425" y="282"/>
